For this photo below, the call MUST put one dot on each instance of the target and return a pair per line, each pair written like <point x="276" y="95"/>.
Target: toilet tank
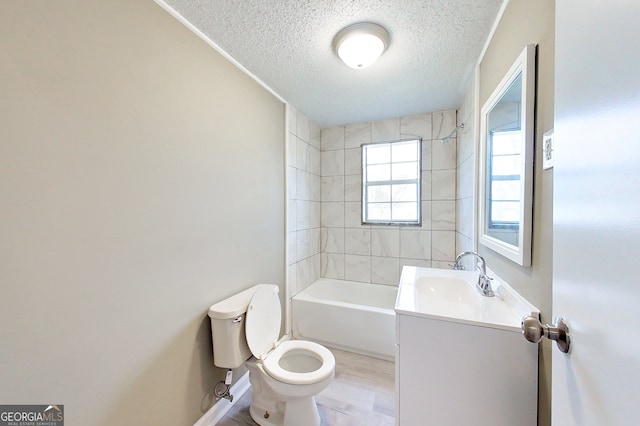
<point x="230" y="349"/>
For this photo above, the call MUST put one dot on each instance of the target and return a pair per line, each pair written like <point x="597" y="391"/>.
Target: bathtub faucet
<point x="484" y="282"/>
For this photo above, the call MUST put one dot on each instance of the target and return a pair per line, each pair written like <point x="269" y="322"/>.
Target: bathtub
<point x="352" y="316"/>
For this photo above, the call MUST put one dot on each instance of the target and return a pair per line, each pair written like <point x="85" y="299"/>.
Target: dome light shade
<point x="360" y="45"/>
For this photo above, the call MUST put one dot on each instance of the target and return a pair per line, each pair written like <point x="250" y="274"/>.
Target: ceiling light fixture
<point x="360" y="45"/>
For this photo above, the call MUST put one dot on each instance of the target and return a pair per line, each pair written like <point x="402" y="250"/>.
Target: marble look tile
<point x="416" y="126"/>
<point x="443" y="123"/>
<point x="292" y="174"/>
<point x="426" y="215"/>
<point x="426" y="185"/>
<point x="333" y="266"/>
<point x="333" y="188"/>
<point x="427" y="153"/>
<point x="314" y="214"/>
<point x="357" y="241"/>
<point x="443" y="155"/>
<point x="464" y="217"/>
<point x="353" y="161"/>
<point x="292" y="254"/>
<point x="466" y="179"/>
<point x="357" y="268"/>
<point x="314" y="241"/>
<point x="302" y="185"/>
<point x="332" y="138"/>
<point x="443" y="215"/>
<point x="302" y="127"/>
<point x="385" y="242"/>
<point x="353" y="215"/>
<point x="332" y="163"/>
<point x="291" y="119"/>
<point x="443" y="246"/>
<point x="303" y="215"/>
<point x="313" y="156"/>
<point x="466" y="141"/>
<point x="385" y="270"/>
<point x="303" y="244"/>
<point x="292" y="224"/>
<point x="292" y="143"/>
<point x="443" y="184"/>
<point x="332" y="240"/>
<point x="353" y="188"/>
<point x="357" y="134"/>
<point x="314" y="135"/>
<point x="315" y="187"/>
<point x="332" y="214"/>
<point x="302" y="155"/>
<point x="304" y="275"/>
<point x="385" y="130"/>
<point x="415" y="244"/>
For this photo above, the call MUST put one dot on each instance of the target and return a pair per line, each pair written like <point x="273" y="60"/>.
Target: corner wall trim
<point x="220" y="408"/>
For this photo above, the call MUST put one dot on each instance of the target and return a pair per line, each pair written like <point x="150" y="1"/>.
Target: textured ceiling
<point x="287" y="44"/>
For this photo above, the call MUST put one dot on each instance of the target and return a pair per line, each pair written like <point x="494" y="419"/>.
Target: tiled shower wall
<point x="352" y="251"/>
<point x="466" y="179"/>
<point x="303" y="201"/>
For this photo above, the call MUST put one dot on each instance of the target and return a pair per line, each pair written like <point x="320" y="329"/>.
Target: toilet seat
<point x="272" y="362"/>
<point x="262" y="328"/>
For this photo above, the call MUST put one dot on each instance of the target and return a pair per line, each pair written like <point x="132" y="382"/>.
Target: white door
<point x="596" y="251"/>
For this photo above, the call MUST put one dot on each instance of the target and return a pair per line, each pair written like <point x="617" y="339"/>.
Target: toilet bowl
<point x="285" y="374"/>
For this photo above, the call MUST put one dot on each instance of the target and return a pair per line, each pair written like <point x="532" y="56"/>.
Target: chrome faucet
<point x="484" y="282"/>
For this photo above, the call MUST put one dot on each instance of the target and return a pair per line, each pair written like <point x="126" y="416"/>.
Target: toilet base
<point x="295" y="411"/>
<point x="270" y="409"/>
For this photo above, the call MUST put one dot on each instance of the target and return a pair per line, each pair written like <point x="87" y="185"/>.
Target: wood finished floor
<point x="362" y="393"/>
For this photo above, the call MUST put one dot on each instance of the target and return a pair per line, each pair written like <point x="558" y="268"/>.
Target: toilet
<point x="285" y="374"/>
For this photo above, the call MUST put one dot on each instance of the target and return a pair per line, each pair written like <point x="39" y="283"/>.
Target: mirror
<point x="506" y="162"/>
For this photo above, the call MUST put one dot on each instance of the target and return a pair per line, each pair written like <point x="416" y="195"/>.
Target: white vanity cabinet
<point x="464" y="369"/>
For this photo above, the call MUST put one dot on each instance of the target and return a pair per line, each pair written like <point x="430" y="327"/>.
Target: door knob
<point x="534" y="331"/>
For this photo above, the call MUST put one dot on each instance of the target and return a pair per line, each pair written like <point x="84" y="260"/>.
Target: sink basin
<point x="446" y="289"/>
<point x="451" y="295"/>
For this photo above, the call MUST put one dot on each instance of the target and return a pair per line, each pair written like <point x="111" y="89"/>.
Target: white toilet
<point x="285" y="375"/>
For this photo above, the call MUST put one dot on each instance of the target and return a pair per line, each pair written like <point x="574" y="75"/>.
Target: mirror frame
<point x="520" y="254"/>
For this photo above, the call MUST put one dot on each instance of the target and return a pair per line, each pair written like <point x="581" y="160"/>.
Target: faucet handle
<point x="457" y="266"/>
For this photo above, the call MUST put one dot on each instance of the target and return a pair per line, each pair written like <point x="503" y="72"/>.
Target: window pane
<point x="403" y="171"/>
<point x="404" y="192"/>
<point x="405" y="211"/>
<point x="379" y="173"/>
<point x="506" y="143"/>
<point x="505" y="190"/>
<point x="377" y="211"/>
<point x="379" y="153"/>
<point x="379" y="194"/>
<point x="404" y="151"/>
<point x="505" y="211"/>
<point x="505" y="165"/>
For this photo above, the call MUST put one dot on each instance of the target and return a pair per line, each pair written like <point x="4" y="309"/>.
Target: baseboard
<point x="220" y="408"/>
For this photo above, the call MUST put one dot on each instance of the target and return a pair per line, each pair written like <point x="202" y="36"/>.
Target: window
<point x="391" y="182"/>
<point x="504" y="180"/>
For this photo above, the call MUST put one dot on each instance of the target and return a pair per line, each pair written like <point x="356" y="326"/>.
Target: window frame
<point x="365" y="184"/>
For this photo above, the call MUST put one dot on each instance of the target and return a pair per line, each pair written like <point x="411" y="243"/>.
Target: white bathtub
<point x="353" y="316"/>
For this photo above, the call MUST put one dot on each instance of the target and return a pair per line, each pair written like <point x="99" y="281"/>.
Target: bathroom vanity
<point x="460" y="356"/>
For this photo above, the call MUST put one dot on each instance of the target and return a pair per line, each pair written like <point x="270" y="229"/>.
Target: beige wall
<point x="142" y="180"/>
<point x="529" y="22"/>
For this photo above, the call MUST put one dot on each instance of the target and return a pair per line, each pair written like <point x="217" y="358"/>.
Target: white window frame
<point x="391" y="182"/>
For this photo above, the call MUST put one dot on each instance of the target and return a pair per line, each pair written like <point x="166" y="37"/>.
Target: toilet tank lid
<point x="233" y="306"/>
